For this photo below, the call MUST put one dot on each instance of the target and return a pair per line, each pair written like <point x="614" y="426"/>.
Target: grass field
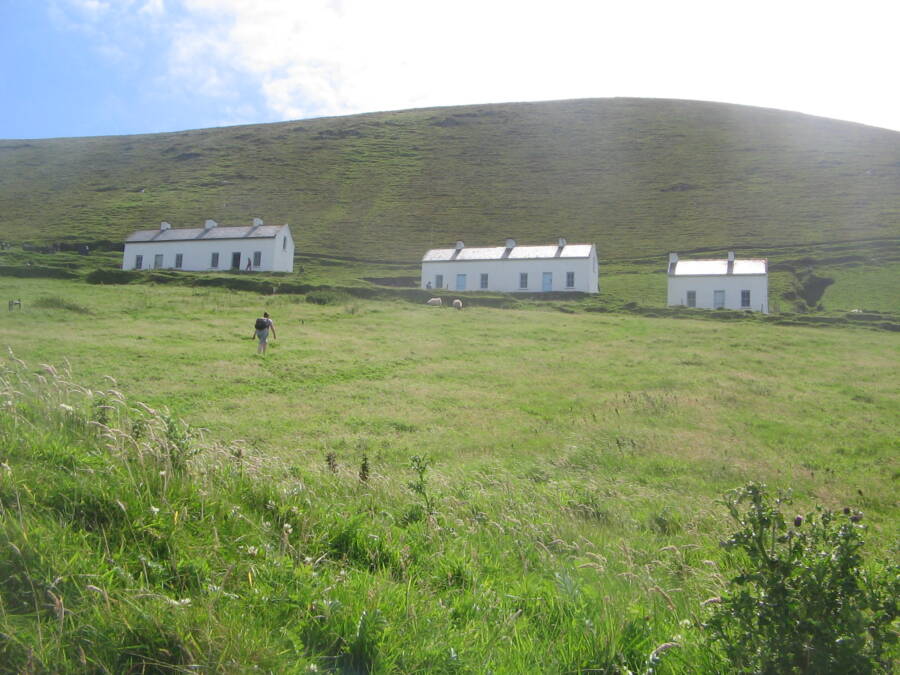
<point x="575" y="463"/>
<point x="680" y="401"/>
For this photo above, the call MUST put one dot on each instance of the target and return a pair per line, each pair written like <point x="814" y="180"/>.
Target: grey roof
<point x="703" y="268"/>
<point x="200" y="233"/>
<point x="503" y="253"/>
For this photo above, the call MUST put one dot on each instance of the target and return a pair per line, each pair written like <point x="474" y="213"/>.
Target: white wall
<point x="503" y="275"/>
<point x="283" y="251"/>
<point x="704" y="286"/>
<point x="277" y="254"/>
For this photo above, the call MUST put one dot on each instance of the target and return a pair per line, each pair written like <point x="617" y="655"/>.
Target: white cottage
<point x="258" y="248"/>
<point x="512" y="268"/>
<point x="719" y="284"/>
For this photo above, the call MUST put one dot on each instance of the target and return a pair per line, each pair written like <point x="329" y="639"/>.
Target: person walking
<point x="261" y="332"/>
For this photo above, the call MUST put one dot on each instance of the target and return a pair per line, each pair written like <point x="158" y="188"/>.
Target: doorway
<point x="236" y="261"/>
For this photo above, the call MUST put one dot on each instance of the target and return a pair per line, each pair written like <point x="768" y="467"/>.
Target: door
<point x="460" y="282"/>
<point x="718" y="299"/>
<point x="158" y="261"/>
<point x="236" y="261"/>
<point x="547" y="282"/>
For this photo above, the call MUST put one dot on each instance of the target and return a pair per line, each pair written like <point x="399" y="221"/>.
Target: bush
<point x="803" y="602"/>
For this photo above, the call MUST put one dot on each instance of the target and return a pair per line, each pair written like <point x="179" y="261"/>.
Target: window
<point x="215" y="260"/>
<point x="179" y="259"/>
<point x="157" y="261"/>
<point x="570" y="279"/>
<point x="484" y="281"/>
<point x="523" y="280"/>
<point x="718" y="299"/>
<point x="745" y="299"/>
<point x="438" y="280"/>
<point x="460" y="282"/>
<point x="138" y="262"/>
<point x="692" y="298"/>
<point x="257" y="258"/>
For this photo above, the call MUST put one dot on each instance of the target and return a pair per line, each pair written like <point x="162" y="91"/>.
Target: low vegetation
<point x="131" y="546"/>
<point x="399" y="488"/>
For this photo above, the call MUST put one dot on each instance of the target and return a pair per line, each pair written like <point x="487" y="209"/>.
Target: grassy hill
<point x="638" y="177"/>
<point x="367" y="194"/>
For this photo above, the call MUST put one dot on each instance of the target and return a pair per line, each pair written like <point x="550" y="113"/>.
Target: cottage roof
<point x="503" y="253"/>
<point x="708" y="268"/>
<point x="202" y="234"/>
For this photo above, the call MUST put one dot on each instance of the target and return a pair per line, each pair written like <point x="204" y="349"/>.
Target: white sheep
<point x="457" y="304"/>
<point x="435" y="302"/>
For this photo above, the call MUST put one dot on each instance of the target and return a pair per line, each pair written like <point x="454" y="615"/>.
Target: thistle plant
<point x="364" y="469"/>
<point x="419" y="464"/>
<point x="803" y="601"/>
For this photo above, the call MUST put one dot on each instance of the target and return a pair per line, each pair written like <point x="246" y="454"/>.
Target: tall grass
<point x="129" y="545"/>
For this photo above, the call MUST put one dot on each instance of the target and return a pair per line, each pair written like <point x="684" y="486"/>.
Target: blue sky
<point x="108" y="67"/>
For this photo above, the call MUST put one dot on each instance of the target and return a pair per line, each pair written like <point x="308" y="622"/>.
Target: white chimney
<point x="673" y="258"/>
<point x="209" y="224"/>
<point x="257" y="222"/>
<point x="165" y="226"/>
<point x="562" y="242"/>
<point x="460" y="246"/>
<point x="731" y="256"/>
<point x="510" y="243"/>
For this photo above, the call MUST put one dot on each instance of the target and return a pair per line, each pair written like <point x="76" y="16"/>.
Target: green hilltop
<point x="639" y="177"/>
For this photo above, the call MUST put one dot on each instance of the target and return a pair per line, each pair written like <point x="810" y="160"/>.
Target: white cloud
<point x="153" y="8"/>
<point x="320" y="57"/>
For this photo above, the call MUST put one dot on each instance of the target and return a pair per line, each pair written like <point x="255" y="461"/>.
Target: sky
<point x="110" y="67"/>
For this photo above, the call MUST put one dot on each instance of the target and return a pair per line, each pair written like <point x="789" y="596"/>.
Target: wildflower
<point x="856" y="517"/>
<point x="154" y="510"/>
<point x="67" y="408"/>
<point x="798" y="521"/>
<point x="846" y="510"/>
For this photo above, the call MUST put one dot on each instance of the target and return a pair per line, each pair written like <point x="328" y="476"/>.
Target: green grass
<point x="576" y="462"/>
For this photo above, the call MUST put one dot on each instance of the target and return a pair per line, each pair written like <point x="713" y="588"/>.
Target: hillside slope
<point x="638" y="177"/>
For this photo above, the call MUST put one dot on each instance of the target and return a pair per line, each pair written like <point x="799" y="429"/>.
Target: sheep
<point x="435" y="302"/>
<point x="457" y="304"/>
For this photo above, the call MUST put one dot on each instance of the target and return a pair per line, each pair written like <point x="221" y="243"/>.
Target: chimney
<point x="673" y="260"/>
<point x="210" y="224"/>
<point x="730" y="262"/>
<point x="510" y="243"/>
<point x="165" y="226"/>
<point x="562" y="242"/>
<point x="460" y="245"/>
<point x="257" y="222"/>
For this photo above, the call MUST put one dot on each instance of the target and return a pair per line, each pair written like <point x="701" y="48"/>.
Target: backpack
<point x="261" y="324"/>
